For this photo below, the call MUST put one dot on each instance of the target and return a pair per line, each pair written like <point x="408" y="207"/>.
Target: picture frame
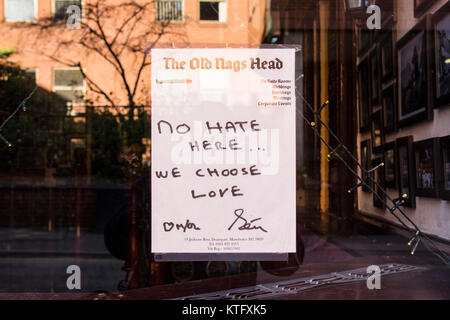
<point x="364" y="95"/>
<point x="441" y="36"/>
<point x="378" y="176"/>
<point x="420" y="6"/>
<point x="375" y="79"/>
<point x="389" y="106"/>
<point x="406" y="183"/>
<point x="366" y="155"/>
<point x="387" y="55"/>
<point x="390" y="164"/>
<point x="415" y="102"/>
<point x="427" y="162"/>
<point x="376" y="131"/>
<point x="445" y="167"/>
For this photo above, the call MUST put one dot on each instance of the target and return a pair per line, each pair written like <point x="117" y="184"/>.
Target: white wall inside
<point x="431" y="215"/>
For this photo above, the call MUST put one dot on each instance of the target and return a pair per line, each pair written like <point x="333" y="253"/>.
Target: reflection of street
<point x="36" y="261"/>
<point x="332" y="245"/>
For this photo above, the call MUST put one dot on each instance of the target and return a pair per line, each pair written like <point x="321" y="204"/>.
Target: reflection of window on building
<point x="213" y="10"/>
<point x="169" y="10"/>
<point x="60" y="8"/>
<point x="68" y="85"/>
<point x="31" y="75"/>
<point x="69" y="88"/>
<point x="20" y="10"/>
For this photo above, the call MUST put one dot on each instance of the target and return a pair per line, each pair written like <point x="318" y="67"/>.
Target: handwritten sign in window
<point x="223" y="151"/>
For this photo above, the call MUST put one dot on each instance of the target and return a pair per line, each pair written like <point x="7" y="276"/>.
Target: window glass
<point x="169" y="10"/>
<point x="20" y="10"/>
<point x="68" y="78"/>
<point x="60" y="7"/>
<point x="224" y="149"/>
<point x="213" y="11"/>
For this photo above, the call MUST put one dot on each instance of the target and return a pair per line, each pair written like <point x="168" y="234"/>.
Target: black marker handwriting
<point x="168" y="226"/>
<point x="246" y="225"/>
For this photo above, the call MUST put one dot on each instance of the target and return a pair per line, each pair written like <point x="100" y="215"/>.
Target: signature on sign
<point x="245" y="224"/>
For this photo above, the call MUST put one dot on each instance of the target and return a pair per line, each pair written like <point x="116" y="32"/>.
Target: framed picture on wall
<point x="415" y="102"/>
<point x="375" y="80"/>
<point x="365" y="163"/>
<point x="390" y="164"/>
<point x="441" y="31"/>
<point x="420" y="6"/>
<point x="389" y="104"/>
<point x="379" y="197"/>
<point x="445" y="158"/>
<point x="363" y="95"/>
<point x="427" y="161"/>
<point x="376" y="130"/>
<point x="387" y="55"/>
<point x="406" y="170"/>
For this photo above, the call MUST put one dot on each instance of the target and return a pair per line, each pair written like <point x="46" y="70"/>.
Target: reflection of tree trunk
<point x="158" y="272"/>
<point x="131" y="108"/>
<point x="143" y="273"/>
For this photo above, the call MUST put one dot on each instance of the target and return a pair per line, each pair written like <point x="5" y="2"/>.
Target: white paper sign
<point x="223" y="151"/>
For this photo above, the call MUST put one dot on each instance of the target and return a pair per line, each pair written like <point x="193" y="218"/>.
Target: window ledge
<point x="171" y="22"/>
<point x="207" y="23"/>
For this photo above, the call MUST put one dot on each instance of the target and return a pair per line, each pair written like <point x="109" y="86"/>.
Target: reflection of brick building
<point x="190" y="22"/>
<point x="64" y="137"/>
<point x="193" y="22"/>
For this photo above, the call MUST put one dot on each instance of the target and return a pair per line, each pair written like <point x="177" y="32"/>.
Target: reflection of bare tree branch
<point x="21" y="105"/>
<point x="95" y="88"/>
<point x="92" y="85"/>
<point x="117" y="33"/>
<point x="144" y="64"/>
